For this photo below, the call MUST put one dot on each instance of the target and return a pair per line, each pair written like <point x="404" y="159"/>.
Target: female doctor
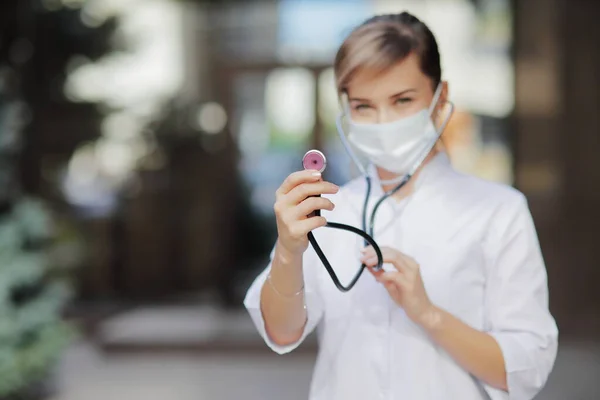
<point x="460" y="310"/>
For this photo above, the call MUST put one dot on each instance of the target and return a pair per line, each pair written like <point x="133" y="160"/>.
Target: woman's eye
<point x="359" y="107"/>
<point x="403" y="100"/>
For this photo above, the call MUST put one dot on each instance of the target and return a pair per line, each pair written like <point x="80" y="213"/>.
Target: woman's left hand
<point x="404" y="285"/>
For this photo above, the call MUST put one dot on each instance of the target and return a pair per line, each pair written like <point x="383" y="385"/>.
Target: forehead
<point x="371" y="84"/>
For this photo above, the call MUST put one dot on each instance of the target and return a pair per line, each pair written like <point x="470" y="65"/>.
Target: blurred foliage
<point x="33" y="291"/>
<point x="36" y="257"/>
<point x="38" y="47"/>
<point x="40" y="42"/>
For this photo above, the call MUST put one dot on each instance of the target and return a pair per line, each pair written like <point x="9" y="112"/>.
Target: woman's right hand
<point x="293" y="204"/>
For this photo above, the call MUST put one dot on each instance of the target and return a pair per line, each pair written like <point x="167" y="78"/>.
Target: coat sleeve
<point x="517" y="313"/>
<point x="312" y="298"/>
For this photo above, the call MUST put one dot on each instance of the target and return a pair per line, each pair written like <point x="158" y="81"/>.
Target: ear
<point x="443" y="99"/>
<point x="444" y="94"/>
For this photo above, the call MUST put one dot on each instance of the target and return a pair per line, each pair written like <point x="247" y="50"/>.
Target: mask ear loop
<point x="447" y="119"/>
<point x="435" y="99"/>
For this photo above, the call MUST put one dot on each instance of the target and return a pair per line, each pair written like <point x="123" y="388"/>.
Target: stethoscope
<point x="315" y="160"/>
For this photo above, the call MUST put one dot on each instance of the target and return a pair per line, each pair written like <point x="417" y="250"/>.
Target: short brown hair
<point x="381" y="42"/>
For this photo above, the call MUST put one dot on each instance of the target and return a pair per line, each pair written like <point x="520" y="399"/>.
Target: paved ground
<point x="249" y="373"/>
<point x="86" y="375"/>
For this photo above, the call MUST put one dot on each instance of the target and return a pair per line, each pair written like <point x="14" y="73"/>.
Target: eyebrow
<point x="391" y="97"/>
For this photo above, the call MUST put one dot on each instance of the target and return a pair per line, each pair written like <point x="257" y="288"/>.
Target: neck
<point x="407" y="189"/>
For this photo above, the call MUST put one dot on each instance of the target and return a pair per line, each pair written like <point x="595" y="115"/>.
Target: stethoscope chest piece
<point x="314" y="159"/>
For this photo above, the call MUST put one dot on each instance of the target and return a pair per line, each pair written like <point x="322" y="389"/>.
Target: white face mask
<point x="397" y="145"/>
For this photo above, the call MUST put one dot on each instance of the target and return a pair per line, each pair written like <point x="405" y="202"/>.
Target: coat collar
<point x="430" y="173"/>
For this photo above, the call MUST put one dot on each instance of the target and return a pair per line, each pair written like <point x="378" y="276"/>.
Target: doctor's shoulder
<point x="500" y="201"/>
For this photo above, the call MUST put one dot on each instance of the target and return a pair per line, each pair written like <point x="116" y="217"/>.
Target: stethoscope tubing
<point x="368" y="237"/>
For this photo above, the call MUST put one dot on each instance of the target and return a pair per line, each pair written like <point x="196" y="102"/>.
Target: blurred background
<point x="141" y="143"/>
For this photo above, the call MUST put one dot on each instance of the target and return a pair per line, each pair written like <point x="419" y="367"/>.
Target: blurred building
<point x="556" y="138"/>
<point x="167" y="149"/>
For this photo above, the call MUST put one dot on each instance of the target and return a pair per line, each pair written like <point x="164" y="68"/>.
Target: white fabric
<point x="480" y="260"/>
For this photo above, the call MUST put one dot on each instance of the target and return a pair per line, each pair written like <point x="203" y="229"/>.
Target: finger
<point x="377" y="272"/>
<point x="391" y="287"/>
<point x="304" y="190"/>
<point x="394" y="278"/>
<point x="369" y="252"/>
<point x="296" y="178"/>
<point x="311" y="204"/>
<point x="405" y="264"/>
<point x="409" y="262"/>
<point x="388" y="280"/>
<point x="374" y="272"/>
<point x="370" y="260"/>
<point x="301" y="228"/>
<point x="398" y="261"/>
<point x="389" y="256"/>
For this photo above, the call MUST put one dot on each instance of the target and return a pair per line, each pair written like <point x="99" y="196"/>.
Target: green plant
<point x="32" y="294"/>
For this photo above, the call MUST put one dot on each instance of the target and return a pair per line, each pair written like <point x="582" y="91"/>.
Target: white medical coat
<point x="480" y="260"/>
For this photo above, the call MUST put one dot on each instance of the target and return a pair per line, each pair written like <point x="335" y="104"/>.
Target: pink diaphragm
<point x="314" y="159"/>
